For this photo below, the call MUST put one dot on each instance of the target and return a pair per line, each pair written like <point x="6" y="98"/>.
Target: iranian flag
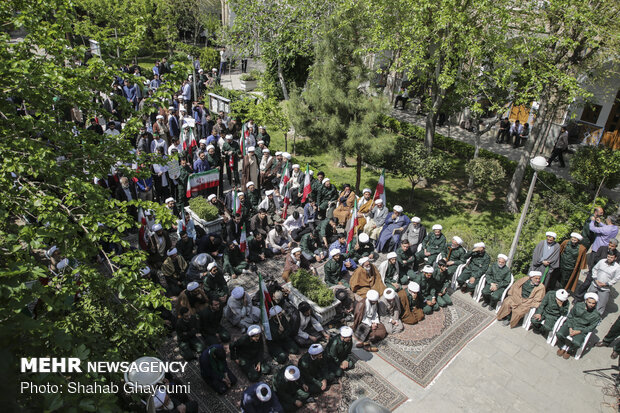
<point x="380" y="191"/>
<point x="245" y="133"/>
<point x="352" y="225"/>
<point x="307" y="185"/>
<point x="265" y="304"/>
<point x="243" y="244"/>
<point x="286" y="201"/>
<point x="285" y="178"/>
<point x="142" y="232"/>
<point x="202" y="180"/>
<point x="236" y="203"/>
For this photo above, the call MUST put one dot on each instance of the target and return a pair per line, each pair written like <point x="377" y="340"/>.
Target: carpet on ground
<point x="422" y="351"/>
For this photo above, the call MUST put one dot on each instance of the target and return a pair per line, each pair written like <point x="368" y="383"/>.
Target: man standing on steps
<point x="560" y="146"/>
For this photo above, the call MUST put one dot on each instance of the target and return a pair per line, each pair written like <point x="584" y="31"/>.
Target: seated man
<point x="335" y="269"/>
<point x="234" y="260"/>
<point x="367" y="326"/>
<point x="278" y="240"/>
<point x="524" y="294"/>
<point x="455" y="256"/>
<point x="365" y="278"/>
<point x="259" y="223"/>
<point x="185" y="246"/>
<point x="405" y="256"/>
<point x="310" y="247"/>
<point x="478" y="264"/>
<point x="258" y="398"/>
<point x="552" y="307"/>
<point x="328" y="232"/>
<point x="339" y="357"/>
<point x="313" y="369"/>
<point x="390" y="311"/>
<point x="376" y="219"/>
<point x="211" y="323"/>
<point x="174" y="268"/>
<point x="193" y="298"/>
<point x="442" y="280"/>
<point x="310" y="329"/>
<point x="281" y="344"/>
<point x="187" y="334"/>
<point x="390" y="271"/>
<point x="434" y="244"/>
<point x="214" y="283"/>
<point x="582" y="319"/>
<point x="247" y="351"/>
<point x="360" y="246"/>
<point x="497" y="280"/>
<point x="214" y="369"/>
<point x="293" y="262"/>
<point x="291" y="391"/>
<point x="411" y="303"/>
<point x="239" y="311"/>
<point x="427" y="289"/>
<point x="341" y="245"/>
<point x="197" y="269"/>
<point x="257" y="249"/>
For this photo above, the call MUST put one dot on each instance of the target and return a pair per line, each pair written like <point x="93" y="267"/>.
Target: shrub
<point x="203" y="208"/>
<point x="209" y="58"/>
<point x="312" y="287"/>
<point x="253" y="75"/>
<point x="486" y="172"/>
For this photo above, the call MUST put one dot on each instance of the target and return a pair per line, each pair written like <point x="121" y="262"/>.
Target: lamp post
<point x="538" y="164"/>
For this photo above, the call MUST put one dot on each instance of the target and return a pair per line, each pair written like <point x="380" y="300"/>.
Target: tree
<point x="413" y="161"/>
<point x="560" y="41"/>
<point x="484" y="173"/>
<point x="335" y="110"/>
<point x="283" y="31"/>
<point x="595" y="167"/>
<point x="100" y="307"/>
<point x="435" y="43"/>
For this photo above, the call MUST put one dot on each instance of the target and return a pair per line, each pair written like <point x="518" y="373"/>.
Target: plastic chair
<point x="457" y="273"/>
<point x="551" y="337"/>
<point x="478" y="291"/>
<point x="527" y="321"/>
<point x="581" y="349"/>
<point x="499" y="303"/>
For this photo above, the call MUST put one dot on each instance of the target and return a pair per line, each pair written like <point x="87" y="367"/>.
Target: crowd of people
<point x="386" y="269"/>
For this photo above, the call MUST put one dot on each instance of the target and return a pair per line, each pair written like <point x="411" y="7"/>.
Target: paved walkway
<point x="488" y="143"/>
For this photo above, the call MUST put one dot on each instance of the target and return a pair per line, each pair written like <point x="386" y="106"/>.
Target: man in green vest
<point x="333" y="269"/>
<point x="314" y="371"/>
<point x="478" y="264"/>
<point x="327" y="198"/>
<point x="552" y="307"/>
<point x="291" y="391"/>
<point x="405" y="257"/>
<point x="360" y="247"/>
<point x="215" y="284"/>
<point x="281" y="343"/>
<point x="434" y="244"/>
<point x="582" y="319"/>
<point x="234" y="260"/>
<point x="252" y="195"/>
<point x="211" y="323"/>
<point x="427" y="289"/>
<point x="456" y="255"/>
<point x="339" y="357"/>
<point x="247" y="351"/>
<point x="390" y="271"/>
<point x="497" y="280"/>
<point x="442" y="279"/>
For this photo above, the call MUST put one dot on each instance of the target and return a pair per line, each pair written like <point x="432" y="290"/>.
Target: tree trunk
<point x="282" y="82"/>
<point x="343" y="159"/>
<point x="411" y="197"/>
<point x="429" y="135"/>
<point x="598" y="191"/>
<point x="358" y="172"/>
<point x="391" y="83"/>
<point x="517" y="178"/>
<point x="470" y="183"/>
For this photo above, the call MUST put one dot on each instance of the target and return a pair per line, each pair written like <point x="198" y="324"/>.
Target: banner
<point x="265" y="303"/>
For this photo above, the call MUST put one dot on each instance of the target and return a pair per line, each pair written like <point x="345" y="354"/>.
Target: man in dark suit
<point x="126" y="192"/>
<point x="173" y="123"/>
<point x="233" y="229"/>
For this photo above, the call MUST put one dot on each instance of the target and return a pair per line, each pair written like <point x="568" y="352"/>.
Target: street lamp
<point x="538" y="164"/>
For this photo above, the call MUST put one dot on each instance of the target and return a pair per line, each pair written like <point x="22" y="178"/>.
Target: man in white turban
<point x="239" y="311"/>
<point x="582" y="319"/>
<point x="367" y="326"/>
<point x="552" y="307"/>
<point x="524" y="294"/>
<point x="390" y="311"/>
<point x="546" y="256"/>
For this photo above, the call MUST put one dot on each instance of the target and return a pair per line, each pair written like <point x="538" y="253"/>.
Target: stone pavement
<point x="488" y="142"/>
<point x="510" y="370"/>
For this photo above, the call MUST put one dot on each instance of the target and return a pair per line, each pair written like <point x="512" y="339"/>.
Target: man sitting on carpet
<point x="314" y="371"/>
<point x="310" y="329"/>
<point x="258" y="398"/>
<point x="427" y="289"/>
<point x="524" y="294"/>
<point x="367" y="326"/>
<point x="411" y="303"/>
<point x="281" y="344"/>
<point x="214" y="369"/>
<point x="365" y="278"/>
<point x="390" y="311"/>
<point x="442" y="280"/>
<point x="339" y="357"/>
<point x="390" y="271"/>
<point x="247" y="351"/>
<point x="239" y="311"/>
<point x="291" y="391"/>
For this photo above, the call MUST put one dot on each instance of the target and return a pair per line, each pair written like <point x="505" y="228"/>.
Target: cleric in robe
<point x="546" y="257"/>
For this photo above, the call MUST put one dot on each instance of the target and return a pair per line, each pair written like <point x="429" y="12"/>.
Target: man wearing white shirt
<point x="515" y="131"/>
<point x="604" y="274"/>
